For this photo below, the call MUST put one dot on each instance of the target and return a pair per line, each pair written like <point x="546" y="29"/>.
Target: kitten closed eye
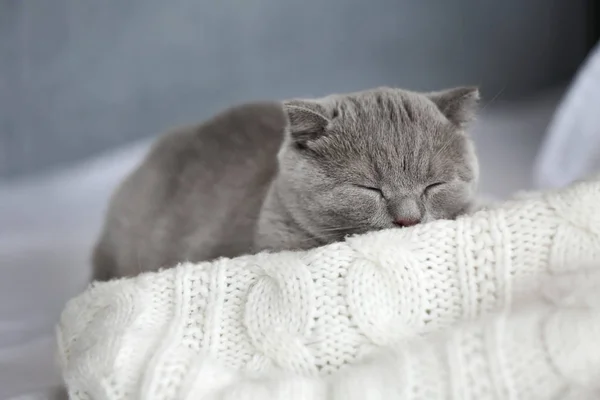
<point x="433" y="186"/>
<point x="371" y="188"/>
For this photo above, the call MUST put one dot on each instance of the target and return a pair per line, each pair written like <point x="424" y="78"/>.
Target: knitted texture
<point x="426" y="312"/>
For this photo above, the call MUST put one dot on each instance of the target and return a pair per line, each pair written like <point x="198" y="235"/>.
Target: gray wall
<point x="78" y="77"/>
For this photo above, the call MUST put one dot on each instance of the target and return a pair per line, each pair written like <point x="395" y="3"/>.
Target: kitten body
<point x="292" y="175"/>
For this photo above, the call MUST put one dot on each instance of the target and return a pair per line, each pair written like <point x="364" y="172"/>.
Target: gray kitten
<point x="273" y="176"/>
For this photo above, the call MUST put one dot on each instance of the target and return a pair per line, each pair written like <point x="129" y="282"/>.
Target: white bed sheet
<point x="47" y="227"/>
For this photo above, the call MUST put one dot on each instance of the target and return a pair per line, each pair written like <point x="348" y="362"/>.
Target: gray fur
<point x="272" y="176"/>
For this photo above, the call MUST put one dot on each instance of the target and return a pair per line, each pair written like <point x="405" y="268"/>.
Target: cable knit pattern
<point x="426" y="312"/>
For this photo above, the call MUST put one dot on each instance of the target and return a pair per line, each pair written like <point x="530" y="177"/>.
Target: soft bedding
<point x="504" y="303"/>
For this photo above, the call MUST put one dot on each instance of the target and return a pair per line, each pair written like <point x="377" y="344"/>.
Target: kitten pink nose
<point x="403" y="223"/>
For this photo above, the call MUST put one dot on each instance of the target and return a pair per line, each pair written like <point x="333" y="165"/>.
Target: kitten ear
<point x="306" y="119"/>
<point x="457" y="104"/>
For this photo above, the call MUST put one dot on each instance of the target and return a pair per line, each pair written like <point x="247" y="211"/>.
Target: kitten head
<point x="377" y="159"/>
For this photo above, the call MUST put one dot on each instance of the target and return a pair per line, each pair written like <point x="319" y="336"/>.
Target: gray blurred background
<point x="81" y="77"/>
<point x="85" y="86"/>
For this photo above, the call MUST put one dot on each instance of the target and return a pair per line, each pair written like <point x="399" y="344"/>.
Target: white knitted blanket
<point x="451" y="309"/>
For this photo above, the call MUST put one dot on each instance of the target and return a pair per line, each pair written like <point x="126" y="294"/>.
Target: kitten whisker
<point x="493" y="98"/>
<point x="343" y="228"/>
<point x="328" y="236"/>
